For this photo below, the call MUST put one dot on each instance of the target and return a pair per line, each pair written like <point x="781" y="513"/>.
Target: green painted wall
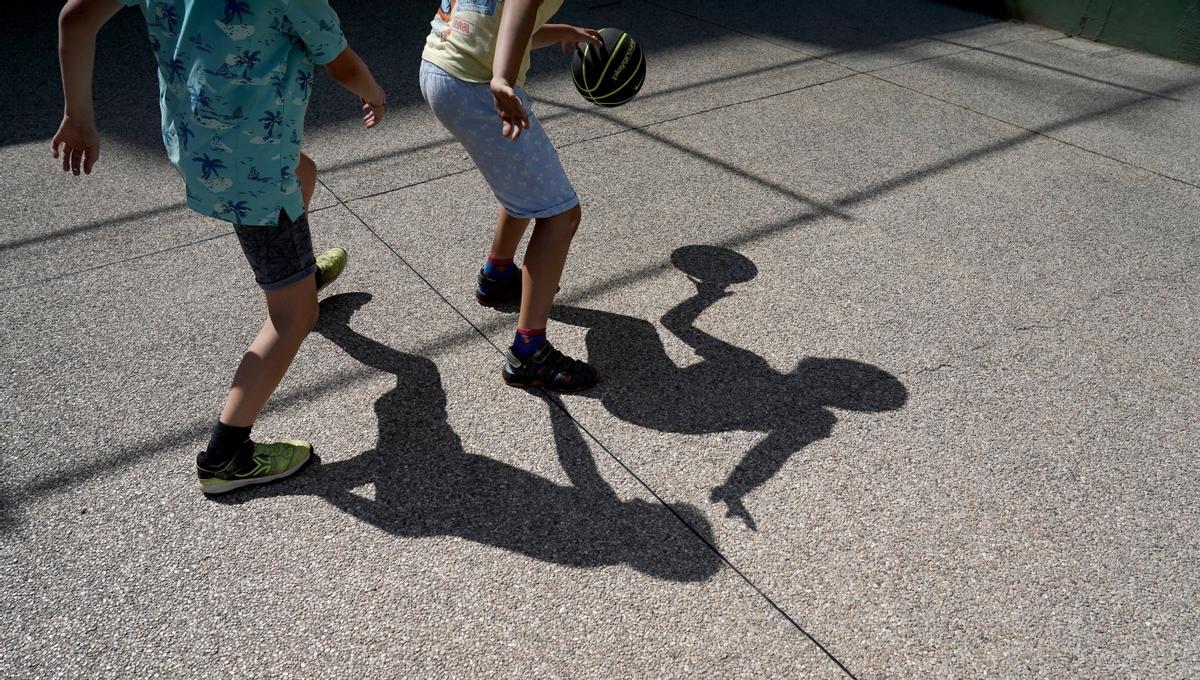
<point x="1167" y="27"/>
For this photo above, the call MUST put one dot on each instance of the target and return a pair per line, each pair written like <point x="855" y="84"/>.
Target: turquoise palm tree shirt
<point x="234" y="80"/>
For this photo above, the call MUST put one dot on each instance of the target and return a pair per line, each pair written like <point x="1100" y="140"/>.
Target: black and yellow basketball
<point x="609" y="75"/>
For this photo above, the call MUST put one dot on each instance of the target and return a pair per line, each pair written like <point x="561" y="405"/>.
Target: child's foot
<point x="256" y="464"/>
<point x="495" y="292"/>
<point x="550" y="368"/>
<point x="330" y="265"/>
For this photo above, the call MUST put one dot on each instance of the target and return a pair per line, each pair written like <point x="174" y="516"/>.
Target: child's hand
<point x="510" y="108"/>
<point x="80" y="144"/>
<point x="573" y="35"/>
<point x="373" y="113"/>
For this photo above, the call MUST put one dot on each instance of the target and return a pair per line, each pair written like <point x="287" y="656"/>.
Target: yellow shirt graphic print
<point x="463" y="39"/>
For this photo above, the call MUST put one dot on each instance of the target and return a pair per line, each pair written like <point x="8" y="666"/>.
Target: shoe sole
<point x="230" y="485"/>
<point x="493" y="303"/>
<point x="552" y="388"/>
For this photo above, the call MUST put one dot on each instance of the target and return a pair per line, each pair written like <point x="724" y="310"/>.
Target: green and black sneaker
<point x="256" y="464"/>
<point x="330" y="265"/>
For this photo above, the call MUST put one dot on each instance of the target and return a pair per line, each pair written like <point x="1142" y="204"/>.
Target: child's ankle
<point x="528" y="341"/>
<point x="495" y="268"/>
<point x="223" y="446"/>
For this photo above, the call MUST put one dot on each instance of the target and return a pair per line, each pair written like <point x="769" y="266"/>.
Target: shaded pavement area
<point x="896" y="304"/>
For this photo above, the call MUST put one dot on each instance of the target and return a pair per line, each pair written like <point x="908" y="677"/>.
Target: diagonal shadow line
<point x="835" y="208"/>
<point x="1037" y="64"/>
<point x="374" y="158"/>
<point x="92" y="226"/>
<point x="387" y="155"/>
<point x="128" y="455"/>
<point x="132" y="454"/>
<point x="397" y="153"/>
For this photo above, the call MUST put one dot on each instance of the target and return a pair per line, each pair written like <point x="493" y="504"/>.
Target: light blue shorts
<point x="526" y="175"/>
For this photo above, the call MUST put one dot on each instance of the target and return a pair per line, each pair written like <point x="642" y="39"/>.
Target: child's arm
<point x="516" y="30"/>
<point x="568" y="36"/>
<point x="78" y="24"/>
<point x="349" y="70"/>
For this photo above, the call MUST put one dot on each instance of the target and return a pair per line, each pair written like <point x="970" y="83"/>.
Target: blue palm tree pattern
<point x="236" y="77"/>
<point x="279" y="85"/>
<point x="269" y="120"/>
<point x="199" y="99"/>
<point x="209" y="167"/>
<point x="185" y="134"/>
<point x="238" y="209"/>
<point x="247" y="60"/>
<point x="236" y="10"/>
<point x="304" y="81"/>
<point x="173" y="70"/>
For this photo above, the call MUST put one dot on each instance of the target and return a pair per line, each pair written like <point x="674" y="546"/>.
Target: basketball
<point x="611" y="75"/>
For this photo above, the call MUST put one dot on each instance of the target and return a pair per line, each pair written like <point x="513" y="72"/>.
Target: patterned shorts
<point x="526" y="175"/>
<point x="280" y="255"/>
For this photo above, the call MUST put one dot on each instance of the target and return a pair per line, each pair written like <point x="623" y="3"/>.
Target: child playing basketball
<point x="234" y="80"/>
<point x="473" y="68"/>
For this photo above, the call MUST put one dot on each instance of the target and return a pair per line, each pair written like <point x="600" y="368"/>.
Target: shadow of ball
<point x="713" y="265"/>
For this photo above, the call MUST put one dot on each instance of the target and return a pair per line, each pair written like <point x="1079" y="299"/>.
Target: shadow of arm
<point x="681" y="320"/>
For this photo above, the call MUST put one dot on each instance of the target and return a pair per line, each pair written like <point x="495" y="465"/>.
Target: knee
<point x="573" y="218"/>
<point x="297" y="321"/>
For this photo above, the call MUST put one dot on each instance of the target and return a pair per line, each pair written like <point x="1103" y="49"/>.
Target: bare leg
<point x="509" y="231"/>
<point x="306" y="170"/>
<point x="291" y="314"/>
<point x="543" y="265"/>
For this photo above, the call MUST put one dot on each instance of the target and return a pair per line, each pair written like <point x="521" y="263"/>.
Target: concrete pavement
<point x="930" y="414"/>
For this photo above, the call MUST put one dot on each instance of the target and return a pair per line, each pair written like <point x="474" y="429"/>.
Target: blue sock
<point x="498" y="269"/>
<point x="528" y="341"/>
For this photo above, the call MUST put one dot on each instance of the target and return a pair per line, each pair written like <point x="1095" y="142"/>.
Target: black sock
<point x="223" y="445"/>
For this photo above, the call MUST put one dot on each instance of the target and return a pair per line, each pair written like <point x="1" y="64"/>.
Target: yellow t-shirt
<point x="463" y="39"/>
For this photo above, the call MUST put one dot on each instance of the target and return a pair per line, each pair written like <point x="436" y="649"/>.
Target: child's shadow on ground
<point x="426" y="485"/>
<point x="730" y="388"/>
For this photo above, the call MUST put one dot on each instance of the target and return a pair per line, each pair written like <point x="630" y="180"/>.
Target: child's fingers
<point x="66" y="158"/>
<point x="511" y="129"/>
<point x="54" y="144"/>
<point x="76" y="161"/>
<point x="90" y="157"/>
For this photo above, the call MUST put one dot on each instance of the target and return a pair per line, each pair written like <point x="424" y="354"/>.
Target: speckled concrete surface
<point x="451" y="526"/>
<point x="897" y="308"/>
